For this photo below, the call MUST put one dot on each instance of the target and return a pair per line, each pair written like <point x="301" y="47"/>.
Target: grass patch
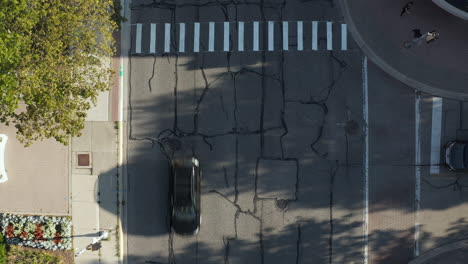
<point x="3" y="249"/>
<point x="22" y="255"/>
<point x="27" y="255"/>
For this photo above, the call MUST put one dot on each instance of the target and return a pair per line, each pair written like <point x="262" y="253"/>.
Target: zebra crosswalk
<point x="240" y="36"/>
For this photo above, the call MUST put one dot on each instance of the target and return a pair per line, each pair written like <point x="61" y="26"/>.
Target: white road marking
<point x="314" y="35"/>
<point x="227" y="46"/>
<point x="196" y="37"/>
<point x="153" y="38"/>
<point x="344" y="37"/>
<point x="138" y="38"/>
<point x="240" y="37"/>
<point x="211" y="37"/>
<point x="226" y="36"/>
<point x="366" y="158"/>
<point x="182" y="37"/>
<point x="285" y="36"/>
<point x="417" y="173"/>
<point x="167" y="38"/>
<point x="436" y="134"/>
<point x="122" y="220"/>
<point x="255" y="35"/>
<point x="270" y="35"/>
<point x="329" y="36"/>
<point x="300" y="45"/>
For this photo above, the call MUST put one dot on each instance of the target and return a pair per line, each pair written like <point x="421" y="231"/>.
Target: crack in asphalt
<point x="170" y="241"/>
<point x="199" y="101"/>
<point x="150" y="88"/>
<point x="456" y="185"/>
<point x="283" y="104"/>
<point x="226" y="242"/>
<point x="299" y="245"/>
<point x="331" y="204"/>
<point x="236" y="172"/>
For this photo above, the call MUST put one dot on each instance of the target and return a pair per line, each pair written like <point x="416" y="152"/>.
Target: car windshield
<point x="185" y="213"/>
<point x="183" y="186"/>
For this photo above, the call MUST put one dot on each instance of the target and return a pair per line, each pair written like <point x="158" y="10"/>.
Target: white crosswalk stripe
<point x="300" y="45"/>
<point x="167" y="38"/>
<point x="196" y="37"/>
<point x="294" y="36"/>
<point x="153" y="39"/>
<point x="314" y="35"/>
<point x="226" y="36"/>
<point x="344" y="37"/>
<point x="182" y="37"/>
<point x="271" y="35"/>
<point x="211" y="37"/>
<point x="240" y="37"/>
<point x="138" y="38"/>
<point x="285" y="35"/>
<point x="256" y="26"/>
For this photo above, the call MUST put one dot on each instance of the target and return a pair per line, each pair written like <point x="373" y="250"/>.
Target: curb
<point x="440" y="250"/>
<point x="415" y="84"/>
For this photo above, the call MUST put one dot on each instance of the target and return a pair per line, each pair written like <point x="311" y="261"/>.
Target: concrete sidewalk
<point x="94" y="177"/>
<point x="94" y="191"/>
<point x="439" y="68"/>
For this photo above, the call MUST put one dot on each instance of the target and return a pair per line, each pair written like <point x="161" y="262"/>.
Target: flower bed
<point x="46" y="232"/>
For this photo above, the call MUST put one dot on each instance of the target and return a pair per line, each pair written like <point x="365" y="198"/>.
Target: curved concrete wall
<point x="451" y="9"/>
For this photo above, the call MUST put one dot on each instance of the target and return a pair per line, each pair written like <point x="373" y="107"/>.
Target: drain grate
<point x="83" y="160"/>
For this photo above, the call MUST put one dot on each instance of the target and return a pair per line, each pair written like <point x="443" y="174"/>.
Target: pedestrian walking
<point x="406" y="8"/>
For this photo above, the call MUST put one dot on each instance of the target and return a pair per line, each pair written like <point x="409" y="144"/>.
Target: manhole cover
<point x="352" y="127"/>
<point x="282" y="204"/>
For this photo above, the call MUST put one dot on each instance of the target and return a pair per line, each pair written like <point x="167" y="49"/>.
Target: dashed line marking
<point x="436" y="134"/>
<point x="417" y="187"/>
<point x="365" y="111"/>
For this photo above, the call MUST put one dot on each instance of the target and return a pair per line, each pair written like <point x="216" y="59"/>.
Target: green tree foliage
<point x="54" y="62"/>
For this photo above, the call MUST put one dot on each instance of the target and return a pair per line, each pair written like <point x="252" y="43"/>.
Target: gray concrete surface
<point x="94" y="192"/>
<point x="38" y="177"/>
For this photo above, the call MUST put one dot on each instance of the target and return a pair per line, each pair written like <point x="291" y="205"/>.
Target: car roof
<point x="183" y="184"/>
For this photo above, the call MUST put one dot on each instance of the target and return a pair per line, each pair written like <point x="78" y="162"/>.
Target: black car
<point x="184" y="189"/>
<point x="456" y="155"/>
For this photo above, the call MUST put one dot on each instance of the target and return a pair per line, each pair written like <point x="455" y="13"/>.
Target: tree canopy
<point x="54" y="62"/>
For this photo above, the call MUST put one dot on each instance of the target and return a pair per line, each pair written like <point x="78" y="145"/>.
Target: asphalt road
<point x="281" y="136"/>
